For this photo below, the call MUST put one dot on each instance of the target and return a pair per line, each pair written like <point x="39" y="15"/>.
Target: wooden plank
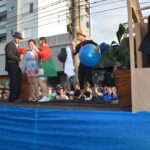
<point x="4" y="78"/>
<point x="143" y="18"/>
<point x="131" y="40"/>
<point x="125" y="83"/>
<point x="139" y="13"/>
<point x="125" y="101"/>
<point x="138" y="41"/>
<point x="144" y="8"/>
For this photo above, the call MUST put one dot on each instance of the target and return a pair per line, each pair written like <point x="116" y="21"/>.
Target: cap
<point x="81" y="32"/>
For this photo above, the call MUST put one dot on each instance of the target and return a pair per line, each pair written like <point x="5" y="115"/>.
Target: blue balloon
<point x="88" y="55"/>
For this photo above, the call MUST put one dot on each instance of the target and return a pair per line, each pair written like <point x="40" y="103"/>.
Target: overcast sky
<point x="105" y="23"/>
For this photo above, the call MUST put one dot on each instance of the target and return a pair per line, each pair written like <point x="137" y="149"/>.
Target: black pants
<point x="85" y="73"/>
<point x="15" y="76"/>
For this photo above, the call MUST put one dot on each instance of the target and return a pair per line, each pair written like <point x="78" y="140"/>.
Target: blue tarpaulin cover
<point x="54" y="129"/>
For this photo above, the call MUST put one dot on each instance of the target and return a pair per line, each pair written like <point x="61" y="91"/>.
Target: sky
<point x="106" y="22"/>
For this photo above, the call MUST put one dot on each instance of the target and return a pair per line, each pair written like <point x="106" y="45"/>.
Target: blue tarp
<point x="54" y="129"/>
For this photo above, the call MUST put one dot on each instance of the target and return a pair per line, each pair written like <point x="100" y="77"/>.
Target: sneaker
<point x="114" y="102"/>
<point x="44" y="99"/>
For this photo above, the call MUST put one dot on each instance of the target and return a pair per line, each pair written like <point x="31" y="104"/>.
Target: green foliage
<point x="118" y="51"/>
<point x="120" y="33"/>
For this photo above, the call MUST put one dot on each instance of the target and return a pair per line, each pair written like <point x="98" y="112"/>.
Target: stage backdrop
<point x="52" y="129"/>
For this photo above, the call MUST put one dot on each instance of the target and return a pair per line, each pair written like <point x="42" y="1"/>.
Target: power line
<point x="108" y="3"/>
<point x="81" y="16"/>
<point x="36" y="10"/>
<point x="108" y="10"/>
<point x="50" y="5"/>
<point x="48" y="15"/>
<point x="97" y="12"/>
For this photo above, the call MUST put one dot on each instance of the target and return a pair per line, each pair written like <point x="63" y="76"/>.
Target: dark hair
<point x="43" y="39"/>
<point x="31" y="40"/>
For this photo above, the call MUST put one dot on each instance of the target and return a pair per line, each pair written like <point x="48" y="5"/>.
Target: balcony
<point x="3" y="2"/>
<point x="3" y="8"/>
<point x="2" y="24"/>
<point x="4" y="13"/>
<point x="3" y="30"/>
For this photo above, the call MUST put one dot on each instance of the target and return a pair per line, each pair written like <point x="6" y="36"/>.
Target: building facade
<point x="36" y="18"/>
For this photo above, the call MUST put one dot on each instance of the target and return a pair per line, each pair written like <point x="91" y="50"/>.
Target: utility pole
<point x="75" y="26"/>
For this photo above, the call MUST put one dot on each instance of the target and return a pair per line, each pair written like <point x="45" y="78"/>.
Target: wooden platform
<point x="68" y="104"/>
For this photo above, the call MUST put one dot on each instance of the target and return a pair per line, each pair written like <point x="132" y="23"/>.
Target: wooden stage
<point x="68" y="104"/>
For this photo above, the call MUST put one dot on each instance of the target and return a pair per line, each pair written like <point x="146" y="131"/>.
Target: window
<point x="11" y="9"/>
<point x="88" y="24"/>
<point x="3" y="18"/>
<point x="27" y="33"/>
<point x="87" y="9"/>
<point x="31" y="7"/>
<point x="2" y="39"/>
<point x="27" y="8"/>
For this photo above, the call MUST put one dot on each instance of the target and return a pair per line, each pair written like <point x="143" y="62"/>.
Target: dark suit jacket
<point x="145" y="44"/>
<point x="11" y="53"/>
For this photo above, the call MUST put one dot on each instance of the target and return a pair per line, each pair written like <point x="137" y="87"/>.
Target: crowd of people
<point x="74" y="93"/>
<point x="69" y="92"/>
<point x="4" y="92"/>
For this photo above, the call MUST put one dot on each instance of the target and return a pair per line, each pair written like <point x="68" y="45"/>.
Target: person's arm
<point x="75" y="47"/>
<point x="74" y="43"/>
<point x="99" y="94"/>
<point x="97" y="50"/>
<point x="43" y="51"/>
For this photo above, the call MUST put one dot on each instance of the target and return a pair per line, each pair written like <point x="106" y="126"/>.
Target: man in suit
<point x="12" y="66"/>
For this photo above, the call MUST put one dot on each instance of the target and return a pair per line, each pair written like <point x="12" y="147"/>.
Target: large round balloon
<point x="89" y="56"/>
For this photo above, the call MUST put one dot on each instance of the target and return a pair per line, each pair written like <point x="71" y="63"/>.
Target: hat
<point x="17" y="35"/>
<point x="79" y="31"/>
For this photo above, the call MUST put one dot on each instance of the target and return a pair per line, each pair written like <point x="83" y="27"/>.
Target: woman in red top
<point x="46" y="65"/>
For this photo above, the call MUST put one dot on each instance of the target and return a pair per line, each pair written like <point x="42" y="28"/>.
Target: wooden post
<point x="138" y="41"/>
<point x="131" y="40"/>
<point x="138" y="34"/>
<point x="76" y="25"/>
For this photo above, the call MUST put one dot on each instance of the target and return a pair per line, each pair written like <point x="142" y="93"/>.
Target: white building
<point x="36" y="18"/>
<point x="3" y="23"/>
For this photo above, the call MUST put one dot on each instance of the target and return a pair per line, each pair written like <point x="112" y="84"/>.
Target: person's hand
<point x="97" y="50"/>
<point x="74" y="42"/>
<point x="35" y="48"/>
<point x="21" y="56"/>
